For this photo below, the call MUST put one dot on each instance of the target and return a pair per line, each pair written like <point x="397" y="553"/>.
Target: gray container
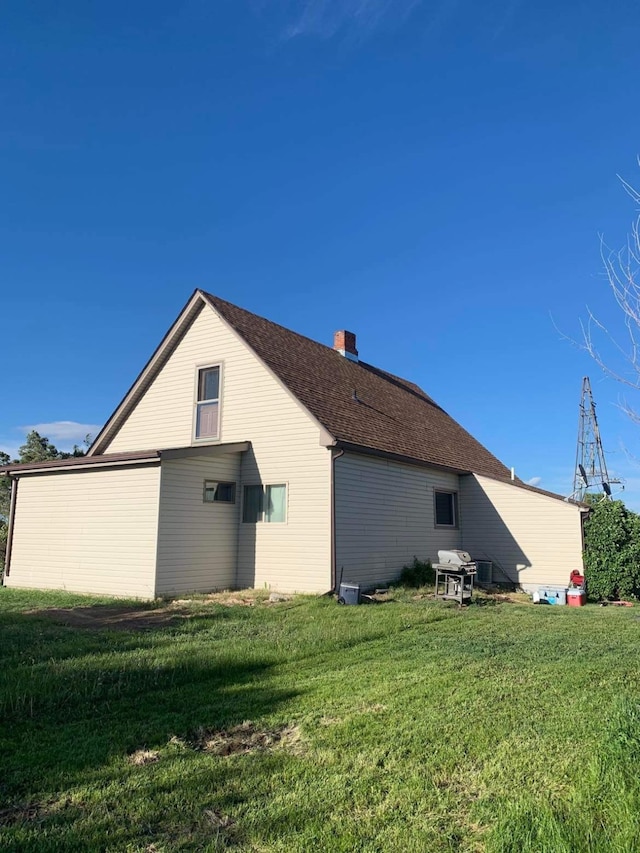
<point x="349" y="593"/>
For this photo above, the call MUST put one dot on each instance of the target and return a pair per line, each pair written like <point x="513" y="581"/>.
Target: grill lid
<point x="454" y="558"/>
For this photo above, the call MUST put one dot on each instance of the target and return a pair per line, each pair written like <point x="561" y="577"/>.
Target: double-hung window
<point x="265" y="504"/>
<point x="208" y="403"/>
<point x="446" y="509"/>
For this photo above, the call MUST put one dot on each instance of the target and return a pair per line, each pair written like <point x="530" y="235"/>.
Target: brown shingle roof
<point x="360" y="404"/>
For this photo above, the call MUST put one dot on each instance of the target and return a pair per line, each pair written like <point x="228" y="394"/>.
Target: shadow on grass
<point x="74" y="701"/>
<point x="182" y="802"/>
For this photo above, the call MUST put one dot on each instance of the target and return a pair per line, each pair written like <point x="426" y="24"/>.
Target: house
<point x="246" y="455"/>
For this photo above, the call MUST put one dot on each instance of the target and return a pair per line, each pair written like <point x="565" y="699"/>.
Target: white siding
<point x="535" y="539"/>
<point x="295" y="556"/>
<point x="385" y="517"/>
<point x="87" y="531"/>
<point x="197" y="541"/>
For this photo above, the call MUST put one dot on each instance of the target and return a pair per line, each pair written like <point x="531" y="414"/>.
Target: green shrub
<point x="416" y="574"/>
<point x="612" y="551"/>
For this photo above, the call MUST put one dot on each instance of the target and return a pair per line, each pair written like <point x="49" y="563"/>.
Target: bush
<point x="612" y="551"/>
<point x="416" y="574"/>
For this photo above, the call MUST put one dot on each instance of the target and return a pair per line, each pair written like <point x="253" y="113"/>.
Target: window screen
<point x="265" y="504"/>
<point x="446" y="509"/>
<point x="215" y="492"/>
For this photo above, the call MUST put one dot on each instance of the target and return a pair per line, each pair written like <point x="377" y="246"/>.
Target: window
<point x="208" y="403"/>
<point x="265" y="503"/>
<point x="214" y="492"/>
<point x="446" y="509"/>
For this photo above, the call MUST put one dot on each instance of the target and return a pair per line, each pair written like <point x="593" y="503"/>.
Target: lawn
<point x="408" y="725"/>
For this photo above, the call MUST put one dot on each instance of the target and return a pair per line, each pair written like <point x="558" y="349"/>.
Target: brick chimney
<point x="345" y="343"/>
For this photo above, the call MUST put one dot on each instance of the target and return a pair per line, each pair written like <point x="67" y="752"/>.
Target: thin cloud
<point x="325" y="18"/>
<point x="534" y="481"/>
<point x="9" y="448"/>
<point x="361" y="18"/>
<point x="64" y="431"/>
<point x="507" y="18"/>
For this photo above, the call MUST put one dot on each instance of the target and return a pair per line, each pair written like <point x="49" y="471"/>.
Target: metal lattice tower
<point x="591" y="467"/>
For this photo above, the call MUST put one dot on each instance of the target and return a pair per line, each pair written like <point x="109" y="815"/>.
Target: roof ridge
<point x="399" y="417"/>
<point x="212" y="298"/>
<point x="405" y="384"/>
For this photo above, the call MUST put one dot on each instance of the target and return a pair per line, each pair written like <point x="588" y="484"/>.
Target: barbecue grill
<point x="455" y="571"/>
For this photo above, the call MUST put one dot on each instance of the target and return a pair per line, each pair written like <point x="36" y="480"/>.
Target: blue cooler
<point x="553" y="595"/>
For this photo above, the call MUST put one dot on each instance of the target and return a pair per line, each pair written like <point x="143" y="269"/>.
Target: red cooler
<point x="576" y="597"/>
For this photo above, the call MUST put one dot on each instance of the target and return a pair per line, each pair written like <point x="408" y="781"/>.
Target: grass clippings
<point x="247" y="737"/>
<point x="107" y="617"/>
<point x="144" y="756"/>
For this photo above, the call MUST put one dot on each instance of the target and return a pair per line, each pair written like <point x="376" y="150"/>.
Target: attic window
<point x="208" y="403"/>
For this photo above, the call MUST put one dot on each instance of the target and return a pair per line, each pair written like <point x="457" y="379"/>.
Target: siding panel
<point x="197" y="541"/>
<point x="535" y="539"/>
<point x="385" y="517"/>
<point x="285" y="440"/>
<point x="87" y="531"/>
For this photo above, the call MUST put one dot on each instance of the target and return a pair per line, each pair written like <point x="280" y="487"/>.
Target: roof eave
<point x="362" y="449"/>
<point x="82" y="463"/>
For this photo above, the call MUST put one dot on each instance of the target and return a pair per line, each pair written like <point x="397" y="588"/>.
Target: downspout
<point x="12" y="515"/>
<point x="335" y="454"/>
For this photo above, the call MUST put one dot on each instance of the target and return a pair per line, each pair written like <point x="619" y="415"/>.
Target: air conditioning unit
<point x="484" y="572"/>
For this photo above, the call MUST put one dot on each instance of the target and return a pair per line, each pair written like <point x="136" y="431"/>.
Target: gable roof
<point x="358" y="404"/>
<point x="361" y="407"/>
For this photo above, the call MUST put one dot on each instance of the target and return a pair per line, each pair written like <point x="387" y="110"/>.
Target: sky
<point x="434" y="175"/>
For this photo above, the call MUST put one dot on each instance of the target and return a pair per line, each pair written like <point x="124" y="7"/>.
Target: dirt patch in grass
<point x="128" y="617"/>
<point x="218" y="819"/>
<point x="246" y="737"/>
<point x="22" y="812"/>
<point x="144" y="756"/>
<point x="239" y="598"/>
<point x="27" y="812"/>
<point x="118" y="618"/>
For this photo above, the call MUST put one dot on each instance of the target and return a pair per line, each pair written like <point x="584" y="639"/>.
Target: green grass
<point x="408" y="725"/>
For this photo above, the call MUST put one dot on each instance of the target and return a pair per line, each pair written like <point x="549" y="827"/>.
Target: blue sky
<point x="432" y="175"/>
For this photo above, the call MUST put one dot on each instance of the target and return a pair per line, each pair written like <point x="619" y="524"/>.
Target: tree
<point x="611" y="550"/>
<point x="36" y="448"/>
<point x="622" y="271"/>
<point x="5" y="500"/>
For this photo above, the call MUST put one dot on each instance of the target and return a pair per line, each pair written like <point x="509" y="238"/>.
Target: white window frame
<point x="196" y="402"/>
<point x="454" y="506"/>
<point x="264" y="487"/>
<point x="213" y="485"/>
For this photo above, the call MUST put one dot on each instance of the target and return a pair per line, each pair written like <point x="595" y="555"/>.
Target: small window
<point x="208" y="402"/>
<point x="446" y="509"/>
<point x="265" y="504"/>
<point x="219" y="492"/>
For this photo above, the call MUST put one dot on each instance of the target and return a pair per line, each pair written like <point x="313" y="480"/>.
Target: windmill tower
<point x="591" y="467"/>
